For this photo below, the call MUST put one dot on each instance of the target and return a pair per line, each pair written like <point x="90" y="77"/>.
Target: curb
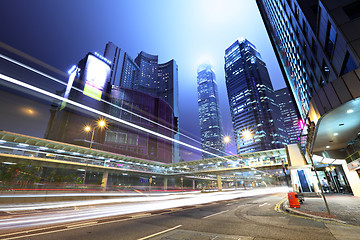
<point x="286" y="207"/>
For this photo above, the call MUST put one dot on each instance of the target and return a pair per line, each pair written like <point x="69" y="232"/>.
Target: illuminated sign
<point x="72" y="73"/>
<point x="96" y="73"/>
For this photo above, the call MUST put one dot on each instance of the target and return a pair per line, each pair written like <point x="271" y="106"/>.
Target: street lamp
<point x="246" y="134"/>
<point x="99" y="124"/>
<point x="182" y="184"/>
<point x="227" y="139"/>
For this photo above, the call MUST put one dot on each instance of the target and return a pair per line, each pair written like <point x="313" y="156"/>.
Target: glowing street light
<point x="246" y="134"/>
<point x="100" y="124"/>
<point x="227" y="139"/>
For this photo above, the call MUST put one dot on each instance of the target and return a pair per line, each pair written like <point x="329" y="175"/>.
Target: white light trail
<point x="127" y="206"/>
<point x="68" y="101"/>
<point x="109" y="103"/>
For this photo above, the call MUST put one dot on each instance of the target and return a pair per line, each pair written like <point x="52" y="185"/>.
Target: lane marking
<point x="216" y="214"/>
<point x="158" y="233"/>
<point x="229" y="204"/>
<point x="278" y="205"/>
<point x="141" y="215"/>
<point x="138" y="191"/>
<point x="277" y="209"/>
<point x="263" y="204"/>
<point x="81" y="225"/>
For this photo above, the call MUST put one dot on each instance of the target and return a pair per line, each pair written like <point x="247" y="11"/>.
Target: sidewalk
<point x="342" y="207"/>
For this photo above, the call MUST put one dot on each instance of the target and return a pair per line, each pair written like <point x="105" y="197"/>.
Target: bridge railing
<point x="78" y="159"/>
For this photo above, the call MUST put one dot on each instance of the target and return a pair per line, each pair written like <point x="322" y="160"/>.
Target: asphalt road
<point x="244" y="218"/>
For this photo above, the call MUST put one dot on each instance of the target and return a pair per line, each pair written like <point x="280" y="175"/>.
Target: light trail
<point x="102" y="100"/>
<point x="39" y="90"/>
<point x="102" y="211"/>
<point x="79" y="105"/>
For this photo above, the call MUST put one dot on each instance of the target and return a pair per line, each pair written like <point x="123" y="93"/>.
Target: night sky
<point x="61" y="32"/>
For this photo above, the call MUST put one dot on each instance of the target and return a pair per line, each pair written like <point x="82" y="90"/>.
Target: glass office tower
<point x="211" y="129"/>
<point x="289" y="115"/>
<point x="256" y="118"/>
<point x="313" y="42"/>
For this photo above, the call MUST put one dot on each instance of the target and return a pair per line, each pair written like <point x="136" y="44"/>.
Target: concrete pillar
<point x="193" y="184"/>
<point x="219" y="183"/>
<point x="165" y="183"/>
<point x="104" y="180"/>
<point x="353" y="179"/>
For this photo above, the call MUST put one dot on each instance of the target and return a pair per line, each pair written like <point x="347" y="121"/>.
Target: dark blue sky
<point x="61" y="32"/>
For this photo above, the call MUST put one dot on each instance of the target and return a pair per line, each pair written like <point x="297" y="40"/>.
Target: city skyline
<point x="134" y="36"/>
<point x="181" y="119"/>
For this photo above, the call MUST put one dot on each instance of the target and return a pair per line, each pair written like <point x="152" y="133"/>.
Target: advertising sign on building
<point x="95" y="75"/>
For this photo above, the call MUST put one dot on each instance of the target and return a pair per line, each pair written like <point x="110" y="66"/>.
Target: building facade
<point x="146" y="75"/>
<point x="160" y="80"/>
<point x="251" y="99"/>
<point x="124" y="71"/>
<point x="312" y="42"/>
<point x="317" y="44"/>
<point x="211" y="129"/>
<point x="292" y="123"/>
<point x="90" y="84"/>
<point x="148" y="112"/>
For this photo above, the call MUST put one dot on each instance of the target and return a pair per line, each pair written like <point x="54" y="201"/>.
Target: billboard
<point x="96" y="73"/>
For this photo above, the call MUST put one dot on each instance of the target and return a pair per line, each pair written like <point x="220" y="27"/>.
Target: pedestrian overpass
<point x="18" y="148"/>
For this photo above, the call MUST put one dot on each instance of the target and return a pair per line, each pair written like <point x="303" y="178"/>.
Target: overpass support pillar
<point x="165" y="183"/>
<point x="219" y="183"/>
<point x="104" y="180"/>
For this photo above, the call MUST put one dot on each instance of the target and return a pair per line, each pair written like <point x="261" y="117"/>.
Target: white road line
<point x="263" y="204"/>
<point x="155" y="234"/>
<point x="141" y="215"/>
<point x="229" y="204"/>
<point x="216" y="214"/>
<point x="82" y="224"/>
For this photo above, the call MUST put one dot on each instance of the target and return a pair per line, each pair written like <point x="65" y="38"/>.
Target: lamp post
<point x="100" y="124"/>
<point x="182" y="184"/>
<point x="150" y="181"/>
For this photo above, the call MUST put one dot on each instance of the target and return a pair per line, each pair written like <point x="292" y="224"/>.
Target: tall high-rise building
<point x="124" y="71"/>
<point x="148" y="80"/>
<point x="160" y="80"/>
<point x="251" y="99"/>
<point x="289" y="115"/>
<point x="317" y="47"/>
<point x="130" y="73"/>
<point x="146" y="75"/>
<point x="211" y="129"/>
<point x="312" y="42"/>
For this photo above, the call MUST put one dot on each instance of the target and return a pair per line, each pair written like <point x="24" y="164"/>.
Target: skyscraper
<point x="130" y="73"/>
<point x="289" y="115"/>
<point x="148" y="80"/>
<point x="317" y="48"/>
<point x="124" y="71"/>
<point x="314" y="43"/>
<point x="160" y="80"/>
<point x="251" y="99"/>
<point x="115" y="55"/>
<point x="211" y="129"/>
